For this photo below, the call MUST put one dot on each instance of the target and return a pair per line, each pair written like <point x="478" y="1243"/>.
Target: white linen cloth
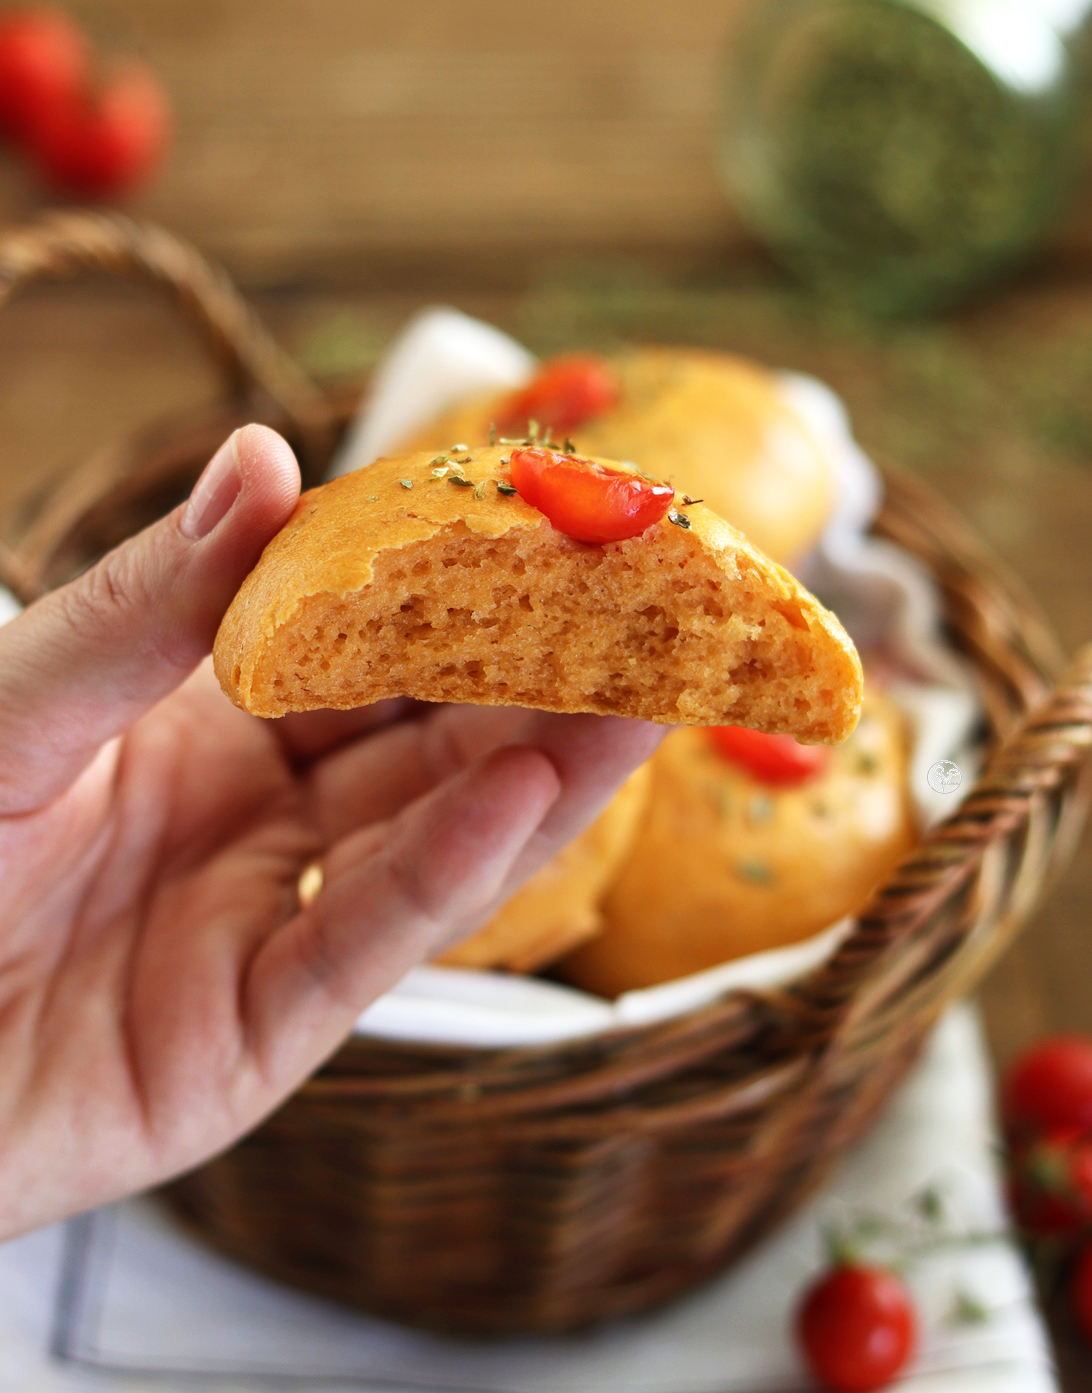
<point x="140" y="1306"/>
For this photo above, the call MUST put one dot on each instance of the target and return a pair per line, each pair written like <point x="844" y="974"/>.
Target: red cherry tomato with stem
<point x="566" y="392"/>
<point x="856" y="1328"/>
<point x="585" y="500"/>
<point x="1050" y="1086"/>
<point x="107" y="141"/>
<point x="45" y="61"/>
<point x="778" y="760"/>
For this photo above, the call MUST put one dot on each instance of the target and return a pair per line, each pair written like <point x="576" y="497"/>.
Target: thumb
<point x="83" y="663"/>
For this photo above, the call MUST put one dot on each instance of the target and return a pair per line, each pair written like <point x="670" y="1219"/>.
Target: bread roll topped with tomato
<point x="750" y="842"/>
<point x="531" y="577"/>
<point x="716" y="426"/>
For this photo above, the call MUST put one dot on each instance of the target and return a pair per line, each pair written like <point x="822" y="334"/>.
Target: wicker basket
<point x="540" y="1189"/>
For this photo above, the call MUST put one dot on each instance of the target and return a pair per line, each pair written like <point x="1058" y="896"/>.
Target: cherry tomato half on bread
<point x="565" y="393"/>
<point x="585" y="500"/>
<point x="771" y="759"/>
<point x="106" y="140"/>
<point x="1050" y="1086"/>
<point x="856" y="1327"/>
<point x="44" y="62"/>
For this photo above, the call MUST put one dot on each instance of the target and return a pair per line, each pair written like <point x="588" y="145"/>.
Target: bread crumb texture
<point x="420" y="577"/>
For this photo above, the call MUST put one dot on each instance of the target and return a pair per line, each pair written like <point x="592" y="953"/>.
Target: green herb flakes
<point x="759" y="810"/>
<point x="492" y="433"/>
<point x="462" y="483"/>
<point x="680" y="520"/>
<point x="757" y="872"/>
<point x="406" y="483"/>
<point x="507" y="489"/>
<point x="687" y="501"/>
<point x="439" y="459"/>
<point x="459" y="447"/>
<point x="373" y="498"/>
<point x="721" y="800"/>
<point x="479" y="492"/>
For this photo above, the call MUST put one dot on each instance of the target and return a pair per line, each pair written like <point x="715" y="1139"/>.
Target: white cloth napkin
<point x="124" y="1300"/>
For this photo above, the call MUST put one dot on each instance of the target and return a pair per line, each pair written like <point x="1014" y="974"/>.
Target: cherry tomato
<point x="772" y="759"/>
<point x="585" y="500"/>
<point x="44" y="62"/>
<point x="1050" y="1086"/>
<point x="856" y="1327"/>
<point x="1050" y="1182"/>
<point x="109" y="141"/>
<point x="1080" y="1290"/>
<point x="565" y="393"/>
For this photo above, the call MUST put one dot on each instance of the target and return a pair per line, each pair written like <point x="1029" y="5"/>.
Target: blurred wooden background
<point x="356" y="141"/>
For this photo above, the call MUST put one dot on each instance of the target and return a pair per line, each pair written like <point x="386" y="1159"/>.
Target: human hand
<point x="161" y="989"/>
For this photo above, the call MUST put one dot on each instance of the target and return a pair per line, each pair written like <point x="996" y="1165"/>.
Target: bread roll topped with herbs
<point x="749" y="843"/>
<point x="713" y="424"/>
<point x="528" y="577"/>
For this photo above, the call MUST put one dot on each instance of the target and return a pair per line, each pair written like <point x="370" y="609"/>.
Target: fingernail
<point x="214" y="493"/>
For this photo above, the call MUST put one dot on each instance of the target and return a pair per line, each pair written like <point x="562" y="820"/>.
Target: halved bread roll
<point x="406" y="579"/>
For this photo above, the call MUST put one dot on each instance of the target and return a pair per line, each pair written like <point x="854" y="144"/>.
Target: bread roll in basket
<point x="544" y="1188"/>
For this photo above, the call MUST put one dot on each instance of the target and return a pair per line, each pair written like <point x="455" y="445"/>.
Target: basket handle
<point x="60" y="245"/>
<point x="955" y="902"/>
<point x="64" y="244"/>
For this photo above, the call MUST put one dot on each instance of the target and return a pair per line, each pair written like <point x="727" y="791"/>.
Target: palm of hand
<point x="139" y="897"/>
<point x="155" y="933"/>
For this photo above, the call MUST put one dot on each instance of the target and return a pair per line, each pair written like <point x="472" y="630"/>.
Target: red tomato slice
<point x="565" y="393"/>
<point x="773" y="759"/>
<point x="583" y="499"/>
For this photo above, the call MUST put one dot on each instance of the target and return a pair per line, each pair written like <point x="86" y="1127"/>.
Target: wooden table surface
<point x="80" y="365"/>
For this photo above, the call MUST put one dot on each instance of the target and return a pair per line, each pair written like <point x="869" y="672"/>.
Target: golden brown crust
<point x="560" y="906"/>
<point x="723" y="865"/>
<point x="715" y="425"/>
<point x="393" y="581"/>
